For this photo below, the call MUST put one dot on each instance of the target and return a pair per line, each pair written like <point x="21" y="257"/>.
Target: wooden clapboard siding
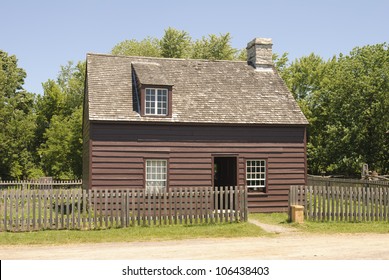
<point x="118" y="152"/>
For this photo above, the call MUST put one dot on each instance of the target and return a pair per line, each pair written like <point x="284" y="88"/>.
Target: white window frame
<point x="152" y="107"/>
<point x="256" y="174"/>
<point x="156" y="175"/>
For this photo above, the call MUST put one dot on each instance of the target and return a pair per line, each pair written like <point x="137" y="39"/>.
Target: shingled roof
<point x="226" y="92"/>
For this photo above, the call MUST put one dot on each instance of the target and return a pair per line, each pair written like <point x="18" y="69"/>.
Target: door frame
<point x="236" y="156"/>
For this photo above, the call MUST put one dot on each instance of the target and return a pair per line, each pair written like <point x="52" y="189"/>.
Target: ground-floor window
<point x="256" y="174"/>
<point x="156" y="175"/>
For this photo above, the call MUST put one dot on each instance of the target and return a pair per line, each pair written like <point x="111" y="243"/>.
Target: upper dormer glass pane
<point x="156" y="101"/>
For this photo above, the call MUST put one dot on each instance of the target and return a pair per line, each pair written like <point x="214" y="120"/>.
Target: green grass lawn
<point x="138" y="233"/>
<point x="323" y="227"/>
<point x="178" y="232"/>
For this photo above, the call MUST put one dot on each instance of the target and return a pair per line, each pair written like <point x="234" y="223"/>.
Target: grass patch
<point x="131" y="234"/>
<point x="281" y="219"/>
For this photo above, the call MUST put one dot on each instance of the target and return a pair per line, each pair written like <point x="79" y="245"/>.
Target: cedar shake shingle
<point x="225" y="92"/>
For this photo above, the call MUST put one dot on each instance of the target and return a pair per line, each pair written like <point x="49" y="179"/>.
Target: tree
<point x="178" y="44"/>
<point x="214" y="48"/>
<point x="175" y="44"/>
<point x="280" y="62"/>
<point x="59" y="123"/>
<point x="304" y="75"/>
<point x="17" y="123"/>
<point x="358" y="93"/>
<point x="61" y="153"/>
<point x="346" y="102"/>
<point x="147" y="47"/>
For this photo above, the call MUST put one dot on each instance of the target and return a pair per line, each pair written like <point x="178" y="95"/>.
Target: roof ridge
<point x="165" y="58"/>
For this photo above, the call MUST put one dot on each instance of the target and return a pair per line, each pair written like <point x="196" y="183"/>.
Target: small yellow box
<point x="297" y="214"/>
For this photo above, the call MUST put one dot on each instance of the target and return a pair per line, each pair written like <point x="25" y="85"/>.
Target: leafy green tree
<point x="175" y="44"/>
<point x="304" y="75"/>
<point x="346" y="101"/>
<point x="214" y="47"/>
<point x="178" y="44"/>
<point x="280" y="62"/>
<point x="59" y="123"/>
<point x="17" y="122"/>
<point x="147" y="47"/>
<point x="61" y="152"/>
<point x="358" y="94"/>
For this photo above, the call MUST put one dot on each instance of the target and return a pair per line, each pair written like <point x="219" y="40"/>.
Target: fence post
<point x="245" y="205"/>
<point x="211" y="196"/>
<point x="290" y="203"/>
<point x="5" y="195"/>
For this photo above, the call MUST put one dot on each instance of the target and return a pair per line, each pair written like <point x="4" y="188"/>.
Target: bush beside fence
<point x="36" y="209"/>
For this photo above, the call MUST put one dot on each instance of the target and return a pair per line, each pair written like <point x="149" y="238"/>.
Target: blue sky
<point x="46" y="34"/>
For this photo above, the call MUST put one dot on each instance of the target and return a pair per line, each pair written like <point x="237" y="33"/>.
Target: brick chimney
<point x="259" y="54"/>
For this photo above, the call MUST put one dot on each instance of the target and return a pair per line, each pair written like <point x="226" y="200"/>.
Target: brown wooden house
<point x="157" y="123"/>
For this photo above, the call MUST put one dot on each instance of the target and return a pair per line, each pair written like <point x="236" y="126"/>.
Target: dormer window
<point x="152" y="90"/>
<point x="156" y="101"/>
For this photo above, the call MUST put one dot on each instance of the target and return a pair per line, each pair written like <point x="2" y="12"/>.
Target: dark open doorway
<point x="224" y="171"/>
<point x="224" y="176"/>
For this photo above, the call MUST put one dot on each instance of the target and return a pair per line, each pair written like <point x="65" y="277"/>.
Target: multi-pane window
<point x="256" y="173"/>
<point x="156" y="101"/>
<point x="156" y="175"/>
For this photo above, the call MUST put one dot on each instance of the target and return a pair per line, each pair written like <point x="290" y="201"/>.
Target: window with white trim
<point x="156" y="175"/>
<point x="256" y="173"/>
<point x="156" y="101"/>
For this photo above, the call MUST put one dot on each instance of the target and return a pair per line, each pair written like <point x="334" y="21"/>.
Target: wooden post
<point x="55" y="220"/>
<point x="11" y="209"/>
<point x="20" y="198"/>
<point x="39" y="209"/>
<point x="333" y="202"/>
<point x="106" y="211"/>
<point x="155" y="200"/>
<point x="216" y="203"/>
<point x="123" y="209"/>
<point x="132" y="192"/>
<point x="371" y="203"/>
<point x="236" y="207"/>
<point x="5" y="195"/>
<point x="201" y="203"/>
<point x="79" y="208"/>
<point x="385" y="203"/>
<point x="306" y="198"/>
<point x="34" y="206"/>
<point x="359" y="190"/>
<point x="226" y="193"/>
<point x="45" y="209"/>
<point x="174" y="197"/>
<point x="165" y="208"/>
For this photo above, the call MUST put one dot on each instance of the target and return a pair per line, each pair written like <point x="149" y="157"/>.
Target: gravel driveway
<point x="293" y="245"/>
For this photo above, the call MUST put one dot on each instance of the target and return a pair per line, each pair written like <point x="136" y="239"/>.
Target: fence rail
<point x="342" y="203"/>
<point x="323" y="181"/>
<point x="35" y="209"/>
<point x="40" y="184"/>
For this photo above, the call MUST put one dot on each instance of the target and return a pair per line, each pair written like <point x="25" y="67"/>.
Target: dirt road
<point x="284" y="246"/>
